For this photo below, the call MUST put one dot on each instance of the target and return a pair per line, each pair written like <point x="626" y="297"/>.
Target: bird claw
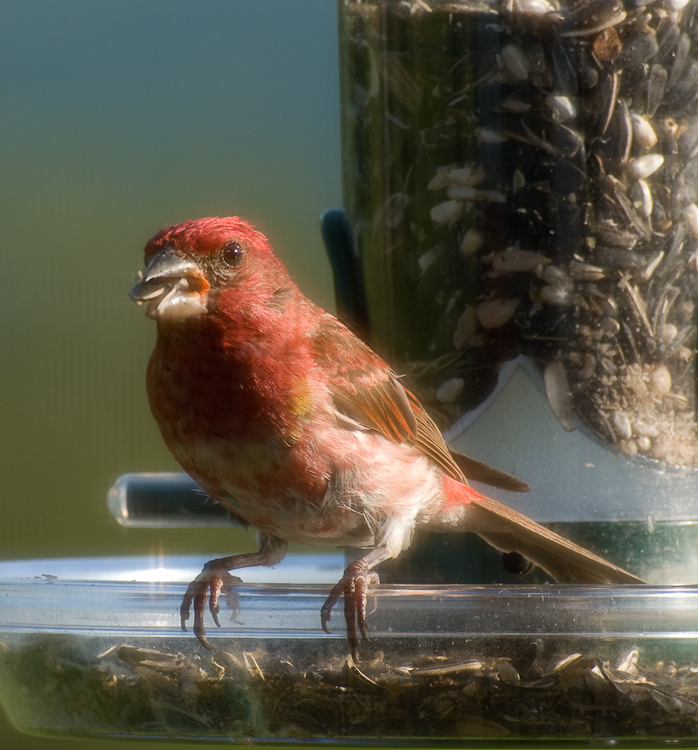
<point x="209" y="584"/>
<point x="354" y="586"/>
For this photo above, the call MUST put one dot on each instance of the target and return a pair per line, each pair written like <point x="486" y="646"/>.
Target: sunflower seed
<point x="644" y="166"/>
<point x="592" y="17"/>
<point x="515" y="60"/>
<point x="643" y="132"/>
<point x="495" y="313"/>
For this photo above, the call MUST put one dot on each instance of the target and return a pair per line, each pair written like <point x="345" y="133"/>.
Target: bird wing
<point x="363" y="386"/>
<point x="367" y="391"/>
<point x="479" y="471"/>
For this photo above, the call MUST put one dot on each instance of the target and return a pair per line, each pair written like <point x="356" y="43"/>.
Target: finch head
<point x="192" y="267"/>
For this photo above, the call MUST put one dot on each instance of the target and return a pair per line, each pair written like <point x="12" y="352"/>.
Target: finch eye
<point x="232" y="254"/>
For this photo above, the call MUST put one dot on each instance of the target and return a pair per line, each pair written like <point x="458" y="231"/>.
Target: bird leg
<point x="215" y="579"/>
<point x="354" y="585"/>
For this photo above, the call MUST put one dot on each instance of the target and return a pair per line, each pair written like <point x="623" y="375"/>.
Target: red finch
<point x="298" y="428"/>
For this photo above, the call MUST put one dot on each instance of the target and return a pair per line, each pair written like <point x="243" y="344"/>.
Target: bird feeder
<point x="520" y="241"/>
<point x="521" y="190"/>
<point x="94" y="648"/>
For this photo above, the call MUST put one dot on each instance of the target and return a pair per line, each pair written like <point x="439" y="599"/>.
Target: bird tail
<point x="509" y="531"/>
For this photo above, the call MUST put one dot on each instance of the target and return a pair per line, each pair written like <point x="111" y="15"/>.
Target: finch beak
<point x="173" y="287"/>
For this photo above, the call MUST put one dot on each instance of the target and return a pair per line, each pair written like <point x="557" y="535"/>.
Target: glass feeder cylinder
<point x="521" y="179"/>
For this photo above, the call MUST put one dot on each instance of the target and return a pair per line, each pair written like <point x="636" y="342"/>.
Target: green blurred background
<point x="119" y="117"/>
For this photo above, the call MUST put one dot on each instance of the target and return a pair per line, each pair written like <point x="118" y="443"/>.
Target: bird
<point x="301" y="430"/>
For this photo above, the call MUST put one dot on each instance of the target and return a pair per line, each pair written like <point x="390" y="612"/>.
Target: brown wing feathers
<point x="376" y="399"/>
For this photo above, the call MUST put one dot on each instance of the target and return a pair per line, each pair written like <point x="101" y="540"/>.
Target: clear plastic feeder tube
<point x="521" y="178"/>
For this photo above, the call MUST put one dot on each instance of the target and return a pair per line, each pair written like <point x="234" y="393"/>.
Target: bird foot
<point x="213" y="581"/>
<point x="354" y="586"/>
